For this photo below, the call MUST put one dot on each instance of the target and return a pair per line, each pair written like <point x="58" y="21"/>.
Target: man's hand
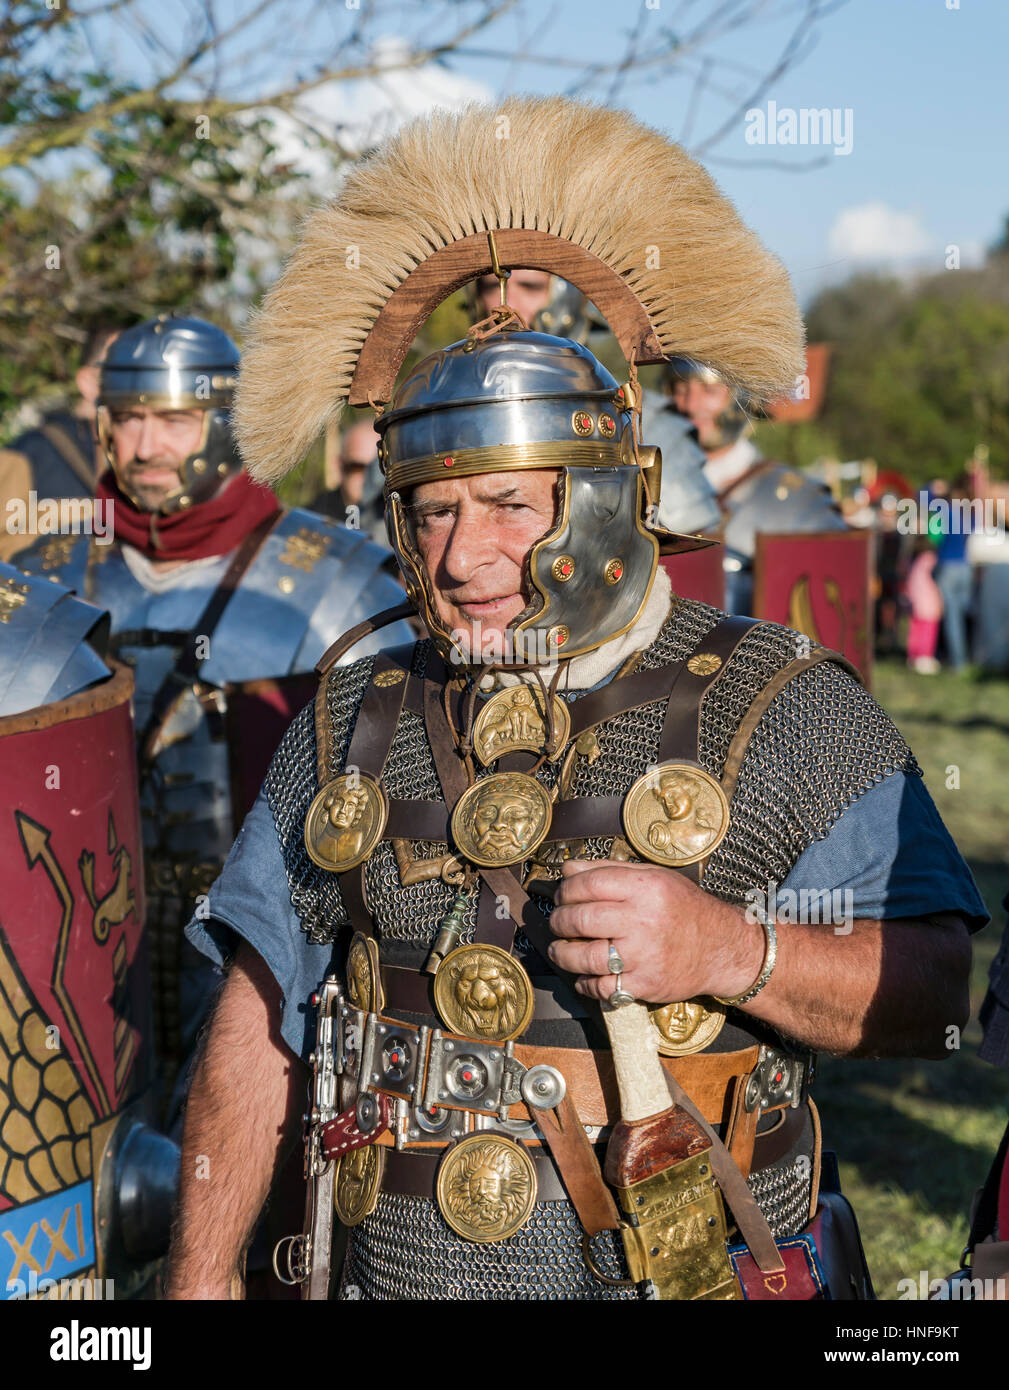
<point x="676" y="942"/>
<point x="894" y="988"/>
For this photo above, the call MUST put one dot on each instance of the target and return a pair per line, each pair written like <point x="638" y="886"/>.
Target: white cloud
<point x="874" y="233"/>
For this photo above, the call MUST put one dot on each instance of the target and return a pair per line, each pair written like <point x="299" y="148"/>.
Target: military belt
<point x="415" y="1175"/>
<point x="442" y="1085"/>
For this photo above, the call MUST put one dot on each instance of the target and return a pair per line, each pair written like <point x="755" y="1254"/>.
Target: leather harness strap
<point x="187" y="666"/>
<point x="569" y="1145"/>
<point x="374" y="731"/>
<point x="329" y="658"/>
<point x="681" y="726"/>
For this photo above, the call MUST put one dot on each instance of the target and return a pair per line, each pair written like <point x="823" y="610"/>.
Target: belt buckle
<point x="465" y="1074"/>
<point x="776" y="1080"/>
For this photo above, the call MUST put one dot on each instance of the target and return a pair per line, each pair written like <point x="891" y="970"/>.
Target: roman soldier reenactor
<point x="222" y="601"/>
<point x="559" y="1050"/>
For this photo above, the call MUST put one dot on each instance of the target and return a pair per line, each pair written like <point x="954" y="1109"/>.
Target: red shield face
<point x="819" y="583"/>
<point x="258" y="713"/>
<point x="74" y="997"/>
<point x="698" y="574"/>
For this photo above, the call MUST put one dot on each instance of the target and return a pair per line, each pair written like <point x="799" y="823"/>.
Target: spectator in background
<point x="990" y="553"/>
<point x="955" y="576"/>
<point x="926" y="609"/>
<point x="528" y="293"/>
<point x="59" y="457"/>
<point x="356" y="498"/>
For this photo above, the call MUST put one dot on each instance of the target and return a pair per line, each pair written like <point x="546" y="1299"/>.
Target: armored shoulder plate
<point x="687" y="502"/>
<point x="63" y="559"/>
<point x="312" y="580"/>
<point x="777" y="499"/>
<point x="51" y="643"/>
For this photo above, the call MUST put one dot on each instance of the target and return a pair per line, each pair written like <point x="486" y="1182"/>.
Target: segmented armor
<point x="309" y="580"/>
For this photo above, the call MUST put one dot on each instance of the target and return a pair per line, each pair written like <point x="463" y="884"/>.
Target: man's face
<point x="502" y="826"/>
<point x="359" y="452"/>
<point x="474" y="535"/>
<point x="703" y="402"/>
<point x="150" y="447"/>
<point x="675" y="798"/>
<point x="528" y="292"/>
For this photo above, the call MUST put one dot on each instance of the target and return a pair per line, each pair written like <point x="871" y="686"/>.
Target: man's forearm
<point x="890" y="988"/>
<point x="241" y="1107"/>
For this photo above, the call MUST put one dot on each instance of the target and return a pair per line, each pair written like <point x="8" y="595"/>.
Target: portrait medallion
<point x="345" y="822"/>
<point x="486" y="1187"/>
<point x="675" y="814"/>
<point x="483" y="992"/>
<point x="688" y="1026"/>
<point x="364" y="982"/>
<point x="514" y="719"/>
<point x="501" y="819"/>
<point x="357" y="1184"/>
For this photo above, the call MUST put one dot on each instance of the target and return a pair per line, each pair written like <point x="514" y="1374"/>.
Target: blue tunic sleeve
<point x="251" y="899"/>
<point x="892" y="854"/>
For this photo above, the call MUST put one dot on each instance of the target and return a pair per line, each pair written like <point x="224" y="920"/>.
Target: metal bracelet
<point x="766" y="969"/>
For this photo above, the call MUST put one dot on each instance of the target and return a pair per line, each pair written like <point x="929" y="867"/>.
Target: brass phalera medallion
<point x="514" y="719"/>
<point x="364" y="981"/>
<point x="501" y="819"/>
<point x="675" y="814"/>
<point x="483" y="992"/>
<point x="358" y="1183"/>
<point x="345" y="822"/>
<point x="486" y="1187"/>
<point x="687" y="1027"/>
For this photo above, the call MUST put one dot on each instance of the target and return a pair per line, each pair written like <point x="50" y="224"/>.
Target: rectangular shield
<point x="819" y="583"/>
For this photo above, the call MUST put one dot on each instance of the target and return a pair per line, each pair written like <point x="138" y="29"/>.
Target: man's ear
<point x="86" y="381"/>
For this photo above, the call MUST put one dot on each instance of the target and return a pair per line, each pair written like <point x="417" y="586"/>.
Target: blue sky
<point x="923" y="84"/>
<point x="928" y="92"/>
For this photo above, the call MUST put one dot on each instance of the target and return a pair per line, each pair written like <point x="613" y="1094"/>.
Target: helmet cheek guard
<point x="175" y="363"/>
<point x="595" y="570"/>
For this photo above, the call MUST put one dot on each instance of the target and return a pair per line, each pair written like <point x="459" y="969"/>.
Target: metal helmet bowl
<point x="176" y="363"/>
<point x="521" y="400"/>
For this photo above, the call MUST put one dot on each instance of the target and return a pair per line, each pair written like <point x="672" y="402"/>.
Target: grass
<point x="915" y="1139"/>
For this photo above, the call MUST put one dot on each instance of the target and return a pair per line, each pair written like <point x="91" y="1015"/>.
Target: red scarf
<point x="210" y="528"/>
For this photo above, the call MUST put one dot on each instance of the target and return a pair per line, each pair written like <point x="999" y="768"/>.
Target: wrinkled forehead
<point x="532" y="485"/>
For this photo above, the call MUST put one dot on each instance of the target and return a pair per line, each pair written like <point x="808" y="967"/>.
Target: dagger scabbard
<point x="658" y="1159"/>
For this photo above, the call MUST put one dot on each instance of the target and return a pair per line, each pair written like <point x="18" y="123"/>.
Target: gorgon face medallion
<point x="501" y="819"/>
<point x="486" y="1187"/>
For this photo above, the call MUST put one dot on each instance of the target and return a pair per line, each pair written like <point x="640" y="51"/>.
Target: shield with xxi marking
<point x="74" y="998"/>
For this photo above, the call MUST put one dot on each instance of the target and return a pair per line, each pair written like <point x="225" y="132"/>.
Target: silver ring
<point x="620" y="997"/>
<point x="615" y="963"/>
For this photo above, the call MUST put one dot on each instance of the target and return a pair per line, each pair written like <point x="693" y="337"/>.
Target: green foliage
<point x="920" y="371"/>
<point x="152" y="222"/>
<point x="915" y="1139"/>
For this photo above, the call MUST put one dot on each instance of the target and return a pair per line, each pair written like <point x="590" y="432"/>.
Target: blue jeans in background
<point x="955" y="583"/>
